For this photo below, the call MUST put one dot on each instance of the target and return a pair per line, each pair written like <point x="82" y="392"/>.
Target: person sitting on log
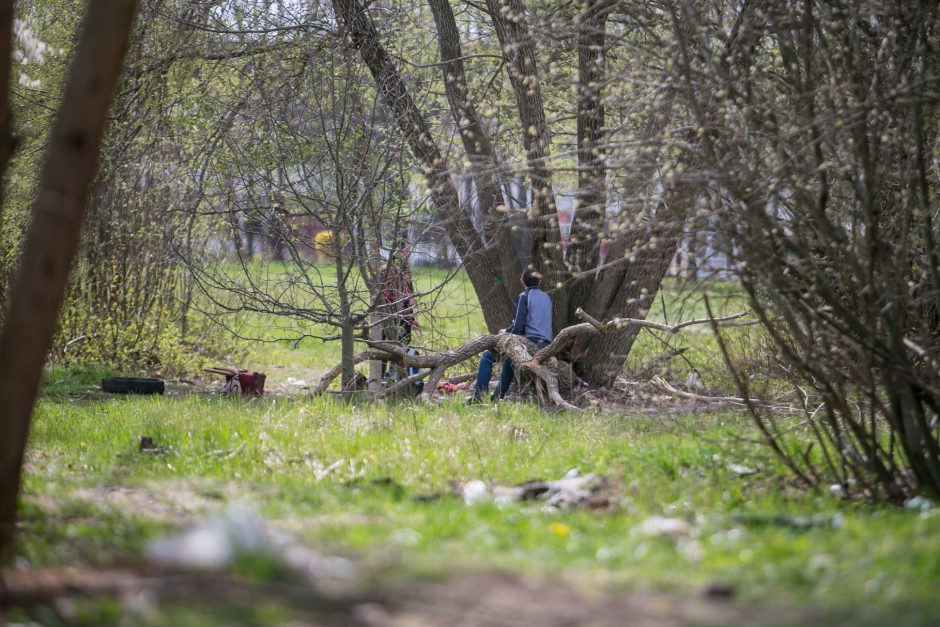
<point x="533" y="320"/>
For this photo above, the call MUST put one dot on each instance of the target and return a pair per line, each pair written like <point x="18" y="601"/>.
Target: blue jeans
<point x="485" y="372"/>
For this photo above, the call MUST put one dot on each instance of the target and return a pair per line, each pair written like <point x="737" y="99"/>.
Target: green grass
<point x="456" y="318"/>
<point x="343" y="477"/>
<point x="675" y="466"/>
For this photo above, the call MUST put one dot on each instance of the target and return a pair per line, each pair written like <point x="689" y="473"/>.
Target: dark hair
<point x="531" y="277"/>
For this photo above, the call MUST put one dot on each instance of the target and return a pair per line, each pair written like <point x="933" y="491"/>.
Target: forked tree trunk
<point x="58" y="212"/>
<point x="515" y="40"/>
<point x="484" y="165"/>
<point x="483" y="268"/>
<point x="626" y="288"/>
<point x="631" y="288"/>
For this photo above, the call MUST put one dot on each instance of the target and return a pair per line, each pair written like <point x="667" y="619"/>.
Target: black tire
<point x="132" y="385"/>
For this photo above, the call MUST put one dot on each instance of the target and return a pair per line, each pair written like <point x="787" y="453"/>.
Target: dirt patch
<point x="471" y="598"/>
<point x="498" y="599"/>
<point x="172" y="501"/>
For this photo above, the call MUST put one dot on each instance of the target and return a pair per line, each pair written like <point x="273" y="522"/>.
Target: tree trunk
<point x="58" y="212"/>
<point x="519" y="55"/>
<point x="482" y="269"/>
<point x="628" y="291"/>
<point x="591" y="199"/>
<point x="484" y="165"/>
<point x="347" y="328"/>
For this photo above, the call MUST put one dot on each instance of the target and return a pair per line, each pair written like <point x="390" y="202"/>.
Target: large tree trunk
<point x="71" y="160"/>
<point x="519" y="56"/>
<point x="642" y="255"/>
<point x="482" y="268"/>
<point x="484" y="165"/>
<point x="591" y="200"/>
<point x="628" y="291"/>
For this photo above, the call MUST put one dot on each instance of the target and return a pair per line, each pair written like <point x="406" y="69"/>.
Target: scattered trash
<point x="216" y="542"/>
<point x="719" y="590"/>
<point x="147" y="445"/>
<point x="738" y="469"/>
<point x="474" y="492"/>
<point x="451" y="388"/>
<point x="565" y="493"/>
<point x="919" y="504"/>
<point x="133" y="385"/>
<point x="661" y="526"/>
<point x="228" y="453"/>
<point x="298" y="383"/>
<point x="800" y="523"/>
<point x="240" y="381"/>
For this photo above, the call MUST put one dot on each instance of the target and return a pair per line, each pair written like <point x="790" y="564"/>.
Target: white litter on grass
<point x="215" y="543"/>
<point x="564" y="493"/>
<point x="919" y="504"/>
<point x="738" y="469"/>
<point x="571" y="489"/>
<point x="212" y="543"/>
<point x="671" y="527"/>
<point x="300" y="383"/>
<point x="475" y="492"/>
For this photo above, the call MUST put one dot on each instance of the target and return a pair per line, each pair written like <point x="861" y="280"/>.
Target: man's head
<point x="531" y="277"/>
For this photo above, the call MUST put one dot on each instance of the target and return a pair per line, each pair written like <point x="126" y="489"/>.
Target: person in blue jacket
<point x="533" y="320"/>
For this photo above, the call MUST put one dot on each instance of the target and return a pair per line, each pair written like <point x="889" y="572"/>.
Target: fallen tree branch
<point x="388" y="351"/>
<point x="661" y="384"/>
<point x="592" y="326"/>
<point x="556" y="376"/>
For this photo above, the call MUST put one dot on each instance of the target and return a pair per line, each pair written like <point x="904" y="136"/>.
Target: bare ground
<point x="470" y="599"/>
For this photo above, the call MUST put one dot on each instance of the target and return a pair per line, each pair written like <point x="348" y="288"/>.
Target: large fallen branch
<point x="553" y="377"/>
<point x="434" y="363"/>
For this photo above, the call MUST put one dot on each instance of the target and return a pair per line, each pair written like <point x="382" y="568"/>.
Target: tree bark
<point x="591" y="199"/>
<point x="482" y="269"/>
<point x="58" y="212"/>
<point x="519" y="55"/>
<point x="484" y="165"/>
<point x="630" y="288"/>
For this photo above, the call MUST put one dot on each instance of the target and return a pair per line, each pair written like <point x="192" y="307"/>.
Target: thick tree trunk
<point x="591" y="199"/>
<point x="519" y="54"/>
<point x="482" y="269"/>
<point x="484" y="165"/>
<point x="71" y="160"/>
<point x="628" y="291"/>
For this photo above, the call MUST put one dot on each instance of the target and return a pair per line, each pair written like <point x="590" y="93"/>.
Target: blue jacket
<point x="533" y="316"/>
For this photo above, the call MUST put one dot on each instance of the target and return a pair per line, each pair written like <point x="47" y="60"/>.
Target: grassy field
<point x="349" y="480"/>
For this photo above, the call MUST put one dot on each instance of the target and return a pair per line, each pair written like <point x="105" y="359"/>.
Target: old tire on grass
<point x="132" y="385"/>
